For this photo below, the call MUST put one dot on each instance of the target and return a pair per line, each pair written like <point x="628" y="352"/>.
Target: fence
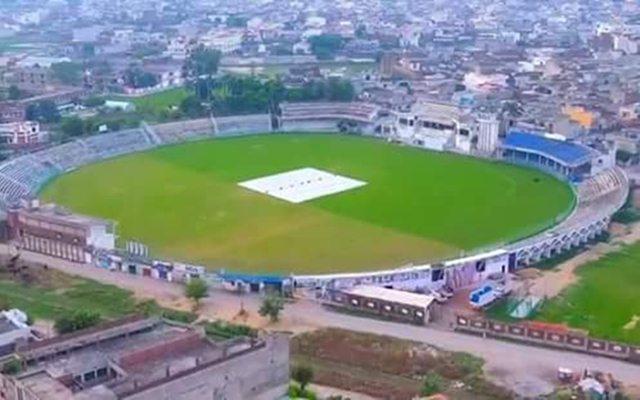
<point x="538" y="335"/>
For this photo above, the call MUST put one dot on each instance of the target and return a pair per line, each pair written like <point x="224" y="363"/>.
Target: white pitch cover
<point x="302" y="184"/>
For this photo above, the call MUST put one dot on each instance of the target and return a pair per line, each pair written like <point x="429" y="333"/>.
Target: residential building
<point x="140" y="358"/>
<point x="22" y="133"/>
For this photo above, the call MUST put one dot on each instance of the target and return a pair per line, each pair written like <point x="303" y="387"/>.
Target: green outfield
<point x="184" y="202"/>
<point x="605" y="300"/>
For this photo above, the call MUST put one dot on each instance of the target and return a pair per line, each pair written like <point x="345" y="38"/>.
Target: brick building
<point x="12" y="112"/>
<point x="52" y="231"/>
<point x="149" y="359"/>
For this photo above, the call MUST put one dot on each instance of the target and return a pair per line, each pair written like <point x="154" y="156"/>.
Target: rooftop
<point x="141" y="353"/>
<point x="571" y="154"/>
<point x="393" y="296"/>
<point x="52" y="212"/>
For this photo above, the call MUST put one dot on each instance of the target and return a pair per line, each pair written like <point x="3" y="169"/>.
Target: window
<point x="89" y="376"/>
<point x="437" y="275"/>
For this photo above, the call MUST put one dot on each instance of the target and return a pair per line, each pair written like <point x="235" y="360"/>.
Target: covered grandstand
<point x="435" y="126"/>
<point x="568" y="159"/>
<point x="328" y="116"/>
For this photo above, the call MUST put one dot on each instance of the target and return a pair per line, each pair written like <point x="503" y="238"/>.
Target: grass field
<point x="49" y="294"/>
<point x="153" y="106"/>
<point x="605" y="301"/>
<point x="418" y="206"/>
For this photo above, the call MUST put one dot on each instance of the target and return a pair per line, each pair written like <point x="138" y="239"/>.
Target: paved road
<point x="528" y="370"/>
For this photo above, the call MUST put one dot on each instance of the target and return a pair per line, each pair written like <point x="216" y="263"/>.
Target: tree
<point x="12" y="367"/>
<point x="271" y="306"/>
<point x="196" y="290"/>
<point x="303" y="374"/>
<point x="14" y="92"/>
<point x="72" y="127"/>
<point x="192" y="107"/>
<point x="203" y="62"/>
<point x="76" y="321"/>
<point x="326" y="46"/>
<point x="43" y="111"/>
<point x="67" y="72"/>
<point x="432" y="384"/>
<point x="94" y="101"/>
<point x="235" y="21"/>
<point x="339" y="90"/>
<point x="88" y="50"/>
<point x="137" y="78"/>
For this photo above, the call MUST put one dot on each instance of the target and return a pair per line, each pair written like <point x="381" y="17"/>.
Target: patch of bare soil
<point x="388" y="368"/>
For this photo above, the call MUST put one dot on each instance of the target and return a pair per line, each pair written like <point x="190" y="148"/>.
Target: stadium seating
<point x="180" y="131"/>
<point x="244" y="124"/>
<point x="28" y="172"/>
<point x="353" y="111"/>
<point x="12" y="191"/>
<point x="117" y="143"/>
<point x="67" y="156"/>
<point x="603" y="183"/>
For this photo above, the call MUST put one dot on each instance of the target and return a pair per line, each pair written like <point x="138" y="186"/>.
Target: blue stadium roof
<point x="570" y="154"/>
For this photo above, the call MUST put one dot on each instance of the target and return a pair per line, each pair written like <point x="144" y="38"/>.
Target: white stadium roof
<point x="393" y="296"/>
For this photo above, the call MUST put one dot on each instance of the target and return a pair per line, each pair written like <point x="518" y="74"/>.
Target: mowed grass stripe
<point x="417" y="206"/>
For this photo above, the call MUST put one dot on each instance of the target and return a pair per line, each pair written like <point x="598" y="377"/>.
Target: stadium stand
<point x="150" y="133"/>
<point x="117" y="143"/>
<point x="605" y="182"/>
<point x="430" y="124"/>
<point x="180" y="131"/>
<point x="324" y="116"/>
<point x="67" y="156"/>
<point x="242" y="124"/>
<point x="12" y="191"/>
<point x="28" y="172"/>
<point x="568" y="159"/>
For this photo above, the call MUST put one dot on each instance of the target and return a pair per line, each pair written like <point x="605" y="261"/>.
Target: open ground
<point x="185" y="203"/>
<point x="596" y="290"/>
<point x="156" y="105"/>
